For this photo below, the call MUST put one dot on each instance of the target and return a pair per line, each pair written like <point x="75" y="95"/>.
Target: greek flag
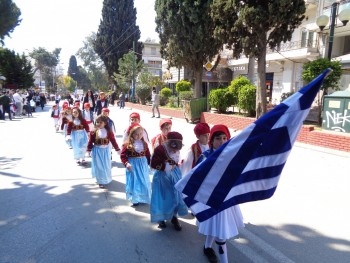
<point x="248" y="167"/>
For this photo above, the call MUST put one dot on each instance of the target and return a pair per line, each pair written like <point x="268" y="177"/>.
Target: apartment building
<point x="152" y="58"/>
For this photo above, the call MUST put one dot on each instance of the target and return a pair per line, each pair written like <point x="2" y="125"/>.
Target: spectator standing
<point x="89" y="98"/>
<point x="122" y="100"/>
<point x="155" y="102"/>
<point x="19" y="103"/>
<point x="101" y="103"/>
<point x="5" y="101"/>
<point x="42" y="101"/>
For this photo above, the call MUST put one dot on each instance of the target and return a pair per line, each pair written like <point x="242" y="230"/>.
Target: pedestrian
<point x="89" y="98"/>
<point x="166" y="201"/>
<point x="66" y="117"/>
<point x="105" y="112"/>
<point x="42" y="101"/>
<point x="77" y="130"/>
<point x="29" y="108"/>
<point x="202" y="132"/>
<point x="5" y="101"/>
<point x="101" y="103"/>
<point x="136" y="158"/>
<point x="122" y="100"/>
<point x="55" y="114"/>
<point x="223" y="225"/>
<point x="99" y="139"/>
<point x="19" y="103"/>
<point x="155" y="102"/>
<point x="134" y="117"/>
<point x="88" y="115"/>
<point x="165" y="127"/>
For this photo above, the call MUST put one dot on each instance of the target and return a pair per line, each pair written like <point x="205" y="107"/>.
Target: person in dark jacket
<point x="101" y="103"/>
<point x="5" y="101"/>
<point x="89" y="98"/>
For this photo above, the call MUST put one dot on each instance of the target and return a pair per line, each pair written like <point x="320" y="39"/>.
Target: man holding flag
<point x="248" y="167"/>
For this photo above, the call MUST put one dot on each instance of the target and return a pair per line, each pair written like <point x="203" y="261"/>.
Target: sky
<point x="66" y="23"/>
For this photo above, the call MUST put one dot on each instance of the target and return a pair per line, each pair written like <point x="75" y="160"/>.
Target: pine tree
<point x="186" y="35"/>
<point x="116" y="33"/>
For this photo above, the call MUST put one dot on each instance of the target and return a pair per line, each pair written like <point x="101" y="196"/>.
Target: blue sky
<point x="66" y="23"/>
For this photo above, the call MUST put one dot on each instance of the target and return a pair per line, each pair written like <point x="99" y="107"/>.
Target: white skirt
<point x="223" y="225"/>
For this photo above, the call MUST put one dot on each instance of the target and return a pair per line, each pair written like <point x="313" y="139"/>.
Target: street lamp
<point x="322" y="21"/>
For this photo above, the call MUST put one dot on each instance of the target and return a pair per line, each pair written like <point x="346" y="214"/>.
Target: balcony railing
<point x="293" y="45"/>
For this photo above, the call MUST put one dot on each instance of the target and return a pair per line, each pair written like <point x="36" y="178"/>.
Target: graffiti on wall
<point x="336" y="120"/>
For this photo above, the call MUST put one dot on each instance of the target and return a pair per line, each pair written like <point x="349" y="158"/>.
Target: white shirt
<point x="17" y="98"/>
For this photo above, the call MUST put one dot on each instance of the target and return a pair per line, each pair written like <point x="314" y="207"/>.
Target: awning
<point x="344" y="59"/>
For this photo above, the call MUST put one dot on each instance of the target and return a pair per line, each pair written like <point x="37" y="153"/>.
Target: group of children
<point x="162" y="156"/>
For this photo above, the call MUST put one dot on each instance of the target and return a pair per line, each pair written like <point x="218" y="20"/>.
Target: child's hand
<point x="129" y="167"/>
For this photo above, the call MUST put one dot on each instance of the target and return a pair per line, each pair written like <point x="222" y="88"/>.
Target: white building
<point x="152" y="58"/>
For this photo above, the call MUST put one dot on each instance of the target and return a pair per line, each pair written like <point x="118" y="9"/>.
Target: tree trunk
<point x="251" y="70"/>
<point x="261" y="89"/>
<point x="198" y="83"/>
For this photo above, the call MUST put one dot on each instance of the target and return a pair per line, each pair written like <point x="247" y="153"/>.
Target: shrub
<point x="219" y="99"/>
<point x="247" y="99"/>
<point x="183" y="85"/>
<point x="143" y="92"/>
<point x="186" y="95"/>
<point x="234" y="87"/>
<point x="166" y="92"/>
<point x="172" y="102"/>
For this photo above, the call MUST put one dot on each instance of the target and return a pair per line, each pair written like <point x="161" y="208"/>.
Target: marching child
<point x="99" y="139"/>
<point x="165" y="128"/>
<point x="55" y="114"/>
<point x="225" y="224"/>
<point x="135" y="118"/>
<point x="166" y="201"/>
<point x="202" y="132"/>
<point x="136" y="158"/>
<point x="88" y="115"/>
<point x="77" y="130"/>
<point x="105" y="112"/>
<point x="66" y="117"/>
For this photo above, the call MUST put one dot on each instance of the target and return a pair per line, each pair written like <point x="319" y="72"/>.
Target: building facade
<point x="152" y="58"/>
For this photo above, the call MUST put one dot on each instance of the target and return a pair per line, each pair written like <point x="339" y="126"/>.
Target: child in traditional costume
<point x="136" y="158"/>
<point x="202" y="132"/>
<point x="55" y="114"/>
<point x="166" y="202"/>
<point x="98" y="145"/>
<point x="225" y="224"/>
<point x="77" y="131"/>
<point x="66" y="117"/>
<point x="88" y="115"/>
<point x="165" y="128"/>
<point x="135" y="118"/>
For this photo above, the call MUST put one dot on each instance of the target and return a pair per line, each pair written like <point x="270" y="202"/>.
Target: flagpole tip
<point x="329" y="71"/>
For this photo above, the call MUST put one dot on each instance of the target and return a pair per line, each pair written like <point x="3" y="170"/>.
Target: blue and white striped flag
<point x="248" y="167"/>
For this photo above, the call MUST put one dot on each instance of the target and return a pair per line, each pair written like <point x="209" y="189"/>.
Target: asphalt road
<point x="51" y="210"/>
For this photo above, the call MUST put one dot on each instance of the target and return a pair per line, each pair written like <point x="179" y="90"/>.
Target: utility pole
<point x="133" y="72"/>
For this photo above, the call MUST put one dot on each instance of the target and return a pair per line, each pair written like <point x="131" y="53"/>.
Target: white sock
<point x="209" y="241"/>
<point x="221" y="250"/>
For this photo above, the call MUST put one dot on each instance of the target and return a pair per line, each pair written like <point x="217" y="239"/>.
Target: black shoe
<point x="176" y="223"/>
<point x="161" y="224"/>
<point x="152" y="117"/>
<point x="135" y="204"/>
<point x="158" y="117"/>
<point x="210" y="254"/>
<point x="101" y="186"/>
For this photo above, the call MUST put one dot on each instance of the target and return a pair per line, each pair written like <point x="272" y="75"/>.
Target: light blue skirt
<point x="79" y="143"/>
<point x="69" y="143"/>
<point x="101" y="166"/>
<point x="166" y="201"/>
<point x="138" y="186"/>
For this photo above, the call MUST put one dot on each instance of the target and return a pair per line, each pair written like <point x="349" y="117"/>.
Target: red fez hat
<point x="65" y="104"/>
<point x="105" y="110"/>
<point x="87" y="105"/>
<point x="201" y="128"/>
<point x="135" y="115"/>
<point x="219" y="128"/>
<point x="174" y="136"/>
<point x="163" y="121"/>
<point x="77" y="104"/>
<point x="132" y="126"/>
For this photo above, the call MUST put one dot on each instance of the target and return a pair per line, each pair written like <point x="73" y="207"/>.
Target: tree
<point x="9" y="18"/>
<point x="250" y="26"/>
<point x="314" y="68"/>
<point x="46" y="62"/>
<point x="125" y="75"/>
<point x="186" y="35"/>
<point x="116" y="33"/>
<point x="16" y="68"/>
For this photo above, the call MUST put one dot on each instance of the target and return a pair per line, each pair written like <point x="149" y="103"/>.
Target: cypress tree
<point x="116" y="33"/>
